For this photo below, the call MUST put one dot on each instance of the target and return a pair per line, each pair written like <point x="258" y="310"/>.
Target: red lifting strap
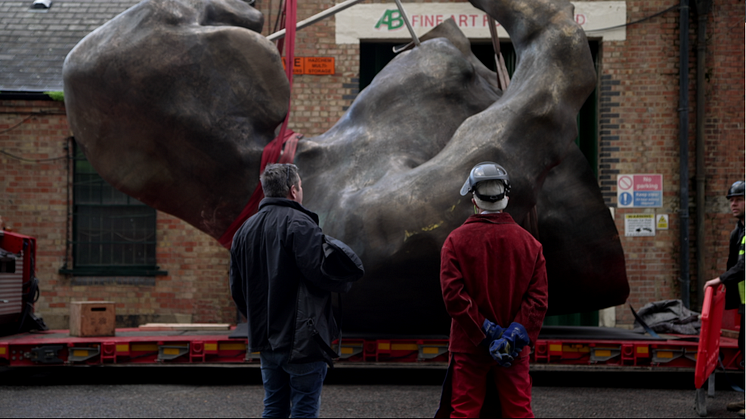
<point x="287" y="138"/>
<point x="270" y="154"/>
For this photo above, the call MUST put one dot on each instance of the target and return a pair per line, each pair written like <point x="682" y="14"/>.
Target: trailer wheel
<point x="700" y="402"/>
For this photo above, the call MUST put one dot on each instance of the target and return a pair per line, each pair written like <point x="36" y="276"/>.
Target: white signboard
<point x="639" y="225"/>
<point x="383" y="20"/>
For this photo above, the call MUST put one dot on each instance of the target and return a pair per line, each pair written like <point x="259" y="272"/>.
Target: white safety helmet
<point x="486" y="171"/>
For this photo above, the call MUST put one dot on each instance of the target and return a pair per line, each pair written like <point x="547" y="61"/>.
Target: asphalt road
<point x="237" y="392"/>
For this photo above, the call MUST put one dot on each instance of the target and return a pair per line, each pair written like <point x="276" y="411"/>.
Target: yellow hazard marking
<point x="211" y="346"/>
<point x="430" y="350"/>
<point x="404" y="347"/>
<point x="642" y="349"/>
<point x="665" y="354"/>
<point x="347" y="350"/>
<point x="123" y="347"/>
<point x="3" y="350"/>
<point x="555" y="347"/>
<point x="144" y="348"/>
<point x="384" y="346"/>
<point x="170" y="351"/>
<point x="80" y="352"/>
<point x="231" y="346"/>
<point x="602" y="352"/>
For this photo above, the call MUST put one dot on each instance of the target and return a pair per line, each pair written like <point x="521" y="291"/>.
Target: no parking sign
<point x="639" y="191"/>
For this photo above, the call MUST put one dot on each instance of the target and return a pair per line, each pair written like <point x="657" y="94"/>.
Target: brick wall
<point x="318" y="101"/>
<point x="34" y="202"/>
<point x="639" y="134"/>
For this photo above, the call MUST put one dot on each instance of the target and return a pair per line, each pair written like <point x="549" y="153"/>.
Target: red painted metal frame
<point x="709" y="334"/>
<point x="17" y="243"/>
<point x="134" y="347"/>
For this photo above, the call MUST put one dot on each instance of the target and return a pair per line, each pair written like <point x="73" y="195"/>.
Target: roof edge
<point x="23" y="95"/>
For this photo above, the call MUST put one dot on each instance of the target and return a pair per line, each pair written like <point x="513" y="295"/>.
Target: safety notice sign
<point x="318" y="66"/>
<point x="639" y="225"/>
<point x="639" y="191"/>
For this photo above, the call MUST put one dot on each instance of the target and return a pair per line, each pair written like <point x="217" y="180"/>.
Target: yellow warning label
<point x="231" y="346"/>
<point x="404" y="347"/>
<point x="665" y="354"/>
<point x="661" y="222"/>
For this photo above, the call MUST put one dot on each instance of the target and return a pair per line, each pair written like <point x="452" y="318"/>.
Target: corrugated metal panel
<point x="11" y="288"/>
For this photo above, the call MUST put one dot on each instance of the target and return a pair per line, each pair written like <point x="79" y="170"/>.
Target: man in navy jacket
<point x="281" y="282"/>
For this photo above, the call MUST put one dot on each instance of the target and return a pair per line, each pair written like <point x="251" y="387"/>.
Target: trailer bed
<point x="558" y="347"/>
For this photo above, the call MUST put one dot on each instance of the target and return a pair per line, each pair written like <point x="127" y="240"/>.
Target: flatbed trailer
<point x="558" y="347"/>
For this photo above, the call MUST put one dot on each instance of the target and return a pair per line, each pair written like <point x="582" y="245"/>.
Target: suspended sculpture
<point x="173" y="102"/>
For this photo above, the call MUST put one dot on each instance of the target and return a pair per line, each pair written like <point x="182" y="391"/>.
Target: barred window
<point x="112" y="233"/>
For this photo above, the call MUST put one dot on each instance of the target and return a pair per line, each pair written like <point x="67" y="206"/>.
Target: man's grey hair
<point x="491" y="187"/>
<point x="278" y="178"/>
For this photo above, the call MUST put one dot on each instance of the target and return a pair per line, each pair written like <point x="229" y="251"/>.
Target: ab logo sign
<point x="391" y="19"/>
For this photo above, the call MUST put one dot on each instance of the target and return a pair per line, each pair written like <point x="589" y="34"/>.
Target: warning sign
<point x="661" y="221"/>
<point x="639" y="191"/>
<point x="639" y="225"/>
<point x="316" y="66"/>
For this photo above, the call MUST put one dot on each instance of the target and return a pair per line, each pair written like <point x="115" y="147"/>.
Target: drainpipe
<point x="703" y="9"/>
<point x="684" y="149"/>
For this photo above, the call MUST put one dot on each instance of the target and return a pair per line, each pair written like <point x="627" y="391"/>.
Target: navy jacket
<point x="279" y="282"/>
<point x="735" y="269"/>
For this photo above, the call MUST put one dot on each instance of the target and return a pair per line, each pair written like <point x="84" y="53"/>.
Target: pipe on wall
<point x="684" y="150"/>
<point x="703" y="9"/>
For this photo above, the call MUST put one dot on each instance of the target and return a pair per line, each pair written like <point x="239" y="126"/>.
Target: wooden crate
<point x="92" y="318"/>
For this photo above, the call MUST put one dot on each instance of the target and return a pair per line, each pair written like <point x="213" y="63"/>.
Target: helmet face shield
<point x="485" y="171"/>
<point x="736" y="189"/>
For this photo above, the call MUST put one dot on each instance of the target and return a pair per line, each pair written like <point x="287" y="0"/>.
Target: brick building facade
<point x="637" y="132"/>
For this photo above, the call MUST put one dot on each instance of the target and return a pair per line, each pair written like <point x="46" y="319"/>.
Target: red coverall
<point x="491" y="268"/>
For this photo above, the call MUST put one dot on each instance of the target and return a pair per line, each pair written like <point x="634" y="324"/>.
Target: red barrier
<point x="709" y="335"/>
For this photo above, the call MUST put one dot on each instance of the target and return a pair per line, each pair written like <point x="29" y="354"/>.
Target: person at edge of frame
<point x="734" y="276"/>
<point x="494" y="283"/>
<point x="282" y="273"/>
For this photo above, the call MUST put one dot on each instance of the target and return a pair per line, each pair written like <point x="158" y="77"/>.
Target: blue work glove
<point x="518" y="337"/>
<point x="492" y="330"/>
<point x="501" y="351"/>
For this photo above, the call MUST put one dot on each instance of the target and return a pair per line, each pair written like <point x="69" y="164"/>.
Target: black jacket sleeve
<point x="237" y="286"/>
<point x="734" y="275"/>
<point x="735" y="272"/>
<point x="307" y="244"/>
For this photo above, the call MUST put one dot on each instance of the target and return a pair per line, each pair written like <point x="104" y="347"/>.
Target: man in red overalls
<point x="494" y="283"/>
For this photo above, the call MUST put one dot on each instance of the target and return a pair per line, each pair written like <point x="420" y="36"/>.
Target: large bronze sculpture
<point x="173" y="102"/>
